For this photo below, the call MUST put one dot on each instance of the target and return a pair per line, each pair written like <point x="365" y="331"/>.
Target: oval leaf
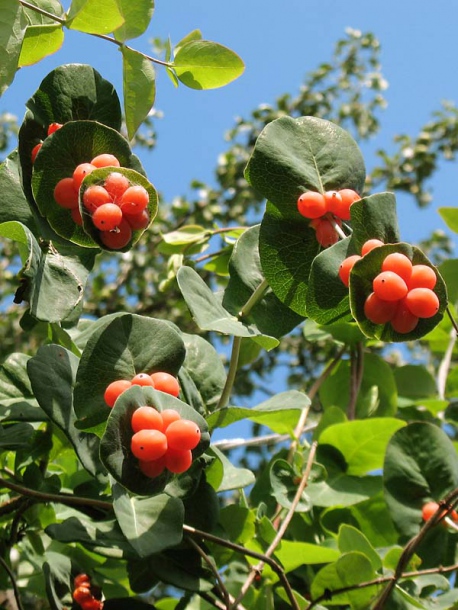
<point x="139" y="86"/>
<point x="39" y="42"/>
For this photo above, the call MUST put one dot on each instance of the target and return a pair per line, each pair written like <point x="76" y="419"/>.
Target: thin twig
<point x="452" y="319"/>
<point x="444" y="366"/>
<point x="7" y="569"/>
<point x="356" y="377"/>
<point x="211" y="565"/>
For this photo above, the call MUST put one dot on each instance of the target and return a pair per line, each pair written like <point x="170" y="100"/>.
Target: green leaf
<point x="17" y="402"/>
<point x="377" y="396"/>
<point x="293" y="554"/>
<point x="202" y="64"/>
<point x="284" y="487"/>
<point x="225" y="476"/>
<point x="294" y="155"/>
<point x="52" y="373"/>
<point x="449" y="271"/>
<point x="95" y="16"/>
<point x="209" y="314"/>
<point x="150" y="524"/>
<point x="120" y="346"/>
<point x="374" y="217"/>
<point x="269" y="315"/>
<point x="238" y="522"/>
<point x="279" y="413"/>
<point x="194" y="35"/>
<point x="351" y="539"/>
<point x="139" y="86"/>
<point x="415" y="381"/>
<point x="39" y="42"/>
<point x="115" y="444"/>
<point x="15" y="206"/>
<point x="186" y="235"/>
<point x="421" y="465"/>
<point x="362" y="442"/>
<point x="137" y="16"/>
<point x="450" y="217"/>
<point x="51" y="6"/>
<point x="16" y="436"/>
<point x="13" y="25"/>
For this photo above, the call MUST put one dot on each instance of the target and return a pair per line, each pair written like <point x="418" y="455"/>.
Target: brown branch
<point x="224" y="592"/>
<point x="452" y="319"/>
<point x="8" y="570"/>
<point x="356" y="376"/>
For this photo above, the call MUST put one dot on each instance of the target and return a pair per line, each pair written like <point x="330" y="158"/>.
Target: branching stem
<point x="8" y="570"/>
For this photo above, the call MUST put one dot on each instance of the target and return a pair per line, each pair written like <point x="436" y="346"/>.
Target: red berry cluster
<point x="325" y="211"/>
<point x="430" y="508"/>
<point x="164" y="382"/>
<point x="85" y="594"/>
<point x="163" y="440"/>
<point x="51" y="129"/>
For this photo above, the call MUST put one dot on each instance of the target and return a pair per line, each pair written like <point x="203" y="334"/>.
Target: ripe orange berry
<point x="333" y="202"/>
<point x="65" y="194"/>
<point x="80" y="172"/>
<point x="35" y="150"/>
<point x="166" y="383"/>
<point x="403" y="320"/>
<point x="95" y="196"/>
<point x="154" y="468"/>
<point x="389" y="286"/>
<point x="92" y="604"/>
<point x="422" y="276"/>
<point x="107" y="216"/>
<point x="430" y="508"/>
<point x="346" y="266"/>
<point x="53" y="127"/>
<point x="348" y="197"/>
<point x="325" y="233"/>
<point x="134" y="200"/>
<point x="105" y="160"/>
<point x="138" y="221"/>
<point x="82" y="594"/>
<point x="169" y="416"/>
<point x="119" y="238"/>
<point x="369" y="245"/>
<point x="80" y="580"/>
<point x="114" y="390"/>
<point x="422" y="302"/>
<point x="76" y="215"/>
<point x="143" y="379"/>
<point x="311" y="204"/>
<point x="146" y="418"/>
<point x="148" y="445"/>
<point x="398" y="263"/>
<point x="183" y="434"/>
<point x="378" y="311"/>
<point x="116" y="184"/>
<point x="178" y="461"/>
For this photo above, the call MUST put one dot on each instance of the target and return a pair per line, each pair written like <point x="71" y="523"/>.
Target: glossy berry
<point x="65" y="194"/>
<point x="53" y="127"/>
<point x="107" y="217"/>
<point x="146" y="418"/>
<point x="333" y="202"/>
<point x="398" y="263"/>
<point x="138" y="222"/>
<point x="35" y="150"/>
<point x="92" y="604"/>
<point x="166" y="383"/>
<point x="422" y="276"/>
<point x="82" y="594"/>
<point x="148" y="445"/>
<point x="105" y="160"/>
<point x="378" y="311"/>
<point x="183" y="434"/>
<point x="143" y="379"/>
<point x="430" y="508"/>
<point x="169" y="416"/>
<point x="348" y="197"/>
<point x="80" y="580"/>
<point x="76" y="215"/>
<point x="311" y="204"/>
<point x="154" y="468"/>
<point x="177" y="461"/>
<point x="389" y="286"/>
<point x="115" y="389"/>
<point x="116" y="184"/>
<point x="81" y="171"/>
<point x="325" y="233"/>
<point x="346" y="266"/>
<point x="369" y="245"/>
<point x="422" y="302"/>
<point x="134" y="200"/>
<point x="403" y="321"/>
<point x="95" y="196"/>
<point x="119" y="238"/>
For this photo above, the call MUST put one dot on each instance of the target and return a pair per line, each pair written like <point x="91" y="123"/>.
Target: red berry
<point x="370" y="244"/>
<point x="134" y="200"/>
<point x="107" y="217"/>
<point x="54" y="127"/>
<point x="116" y="184"/>
<point x="65" y="194"/>
<point x="403" y="320"/>
<point x="92" y="604"/>
<point x="325" y="233"/>
<point x="143" y="379"/>
<point x="82" y="594"/>
<point x="422" y="276"/>
<point x="389" y="286"/>
<point x="348" y="196"/>
<point x="119" y="238"/>
<point x="398" y="263"/>
<point x="422" y="302"/>
<point x="178" y="461"/>
<point x="105" y="160"/>
<point x="146" y="418"/>
<point x="169" y="416"/>
<point x="183" y="434"/>
<point x="311" y="204"/>
<point x="154" y="468"/>
<point x="115" y="389"/>
<point x="76" y="215"/>
<point x="378" y="311"/>
<point x="80" y="580"/>
<point x="430" y="508"/>
<point x="81" y="171"/>
<point x="346" y="266"/>
<point x="148" y="445"/>
<point x="35" y="150"/>
<point x="95" y="196"/>
<point x="333" y="202"/>
<point x="166" y="383"/>
<point x="138" y="222"/>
